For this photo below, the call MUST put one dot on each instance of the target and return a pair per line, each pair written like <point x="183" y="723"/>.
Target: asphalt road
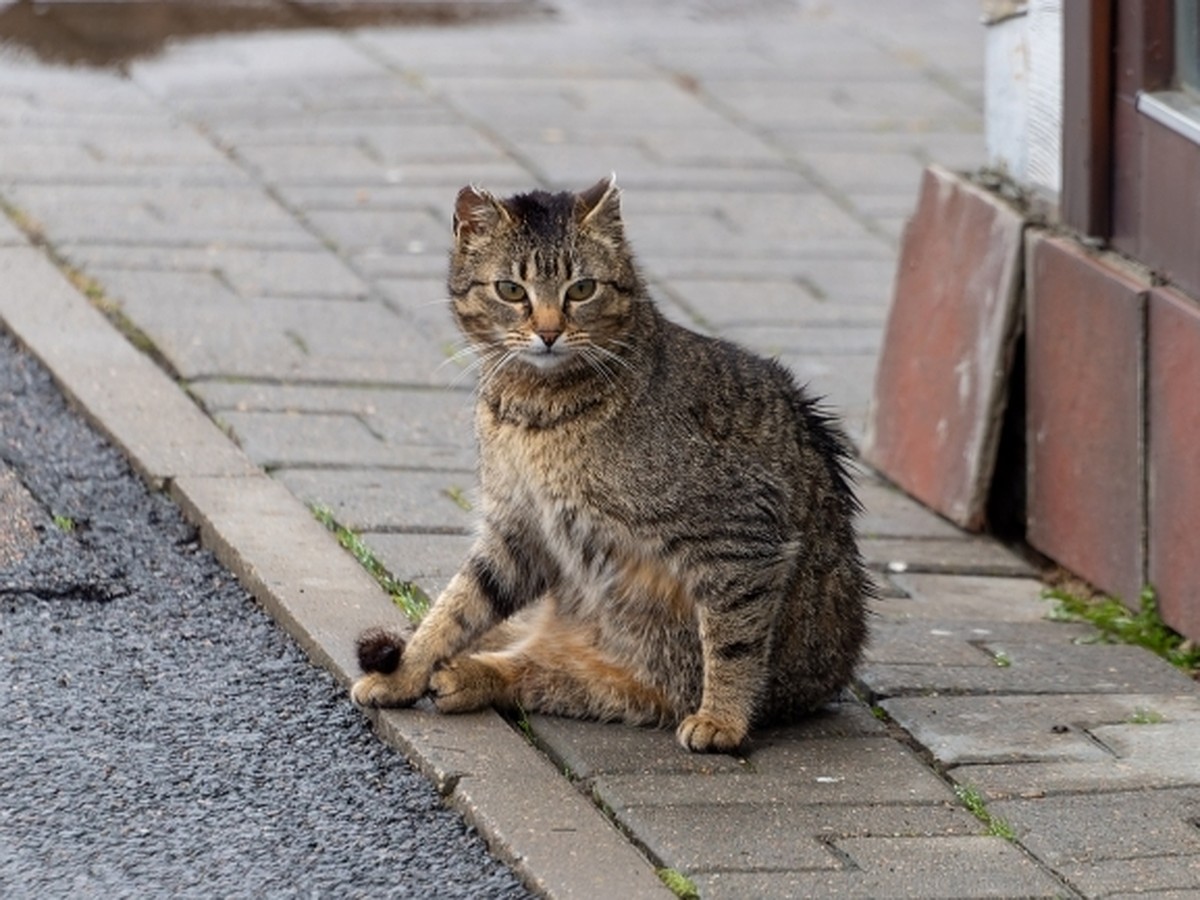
<point x="159" y="736"/>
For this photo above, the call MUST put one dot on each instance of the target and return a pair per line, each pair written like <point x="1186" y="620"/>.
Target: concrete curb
<point x="557" y="841"/>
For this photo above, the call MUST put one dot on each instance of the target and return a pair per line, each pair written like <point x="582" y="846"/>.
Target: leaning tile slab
<point x="940" y="387"/>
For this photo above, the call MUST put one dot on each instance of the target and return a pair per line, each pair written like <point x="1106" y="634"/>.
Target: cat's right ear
<point x="476" y="213"/>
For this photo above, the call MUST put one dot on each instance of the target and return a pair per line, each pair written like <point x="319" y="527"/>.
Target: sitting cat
<point x="667" y="521"/>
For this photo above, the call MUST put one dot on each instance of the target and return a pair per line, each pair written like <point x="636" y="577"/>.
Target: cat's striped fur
<point x="667" y="521"/>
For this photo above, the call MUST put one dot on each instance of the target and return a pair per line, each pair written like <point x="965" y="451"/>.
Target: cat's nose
<point x="549" y="335"/>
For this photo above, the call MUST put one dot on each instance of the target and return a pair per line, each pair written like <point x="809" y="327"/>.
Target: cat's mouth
<point x="544" y="357"/>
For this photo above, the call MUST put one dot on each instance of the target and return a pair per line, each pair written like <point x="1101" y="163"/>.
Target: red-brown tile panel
<point x="1173" y="432"/>
<point x="940" y="386"/>
<point x="1084" y="414"/>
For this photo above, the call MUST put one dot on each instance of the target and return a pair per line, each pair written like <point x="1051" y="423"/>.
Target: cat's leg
<point x="500" y="576"/>
<point x="557" y="669"/>
<point x="737" y="627"/>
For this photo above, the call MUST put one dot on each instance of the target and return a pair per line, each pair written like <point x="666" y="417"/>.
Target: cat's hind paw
<point x="705" y="733"/>
<point x="464" y="685"/>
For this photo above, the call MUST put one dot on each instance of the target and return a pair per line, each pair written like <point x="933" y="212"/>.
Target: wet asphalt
<point x="159" y="736"/>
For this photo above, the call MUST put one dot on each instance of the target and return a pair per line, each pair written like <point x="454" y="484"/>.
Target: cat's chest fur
<point x="558" y="486"/>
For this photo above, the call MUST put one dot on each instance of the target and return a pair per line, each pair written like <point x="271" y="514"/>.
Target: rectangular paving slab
<point x="1025" y="728"/>
<point x="900" y="867"/>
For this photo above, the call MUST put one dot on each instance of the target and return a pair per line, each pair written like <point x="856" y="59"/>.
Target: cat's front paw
<point x="378" y="689"/>
<point x="706" y="733"/>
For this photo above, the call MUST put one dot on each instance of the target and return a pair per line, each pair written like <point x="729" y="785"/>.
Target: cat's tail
<point x="379" y="650"/>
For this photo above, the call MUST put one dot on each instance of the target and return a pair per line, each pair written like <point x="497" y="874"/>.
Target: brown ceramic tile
<point x="940" y="385"/>
<point x="1084" y="418"/>
<point x="1173" y="390"/>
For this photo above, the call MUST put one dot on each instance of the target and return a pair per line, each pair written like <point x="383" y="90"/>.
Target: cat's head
<point x="544" y="279"/>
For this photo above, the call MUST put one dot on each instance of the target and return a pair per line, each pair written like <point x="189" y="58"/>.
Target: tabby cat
<point x="667" y="520"/>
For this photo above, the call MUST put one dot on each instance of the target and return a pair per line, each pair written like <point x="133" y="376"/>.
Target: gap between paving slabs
<point x="558" y="842"/>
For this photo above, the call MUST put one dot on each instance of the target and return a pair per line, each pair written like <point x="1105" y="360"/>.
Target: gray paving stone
<point x="723" y="303"/>
<point x="889" y="513"/>
<point x="190" y="287"/>
<point x="10" y="235"/>
<point x="383" y="231"/>
<point x="285" y="439"/>
<point x="1038" y="659"/>
<point x="189" y="215"/>
<point x="590" y="749"/>
<point x="911" y="867"/>
<point x="85" y="151"/>
<point x="253" y="60"/>
<point x="870" y="279"/>
<point x="951" y="598"/>
<point x="786" y="341"/>
<point x="924" y="644"/>
<point x="309" y="163"/>
<point x="782" y="837"/>
<point x="388" y="499"/>
<point x="817" y="771"/>
<point x="305" y="340"/>
<point x="1161" y="877"/>
<point x="286" y="273"/>
<point x="957" y="556"/>
<point x="1142" y="756"/>
<point x="415" y="428"/>
<point x="1048" y="728"/>
<point x="430" y="560"/>
<point x="1123" y="825"/>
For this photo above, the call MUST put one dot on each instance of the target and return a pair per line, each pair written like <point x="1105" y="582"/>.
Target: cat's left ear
<point x="600" y="206"/>
<point x="476" y="213"/>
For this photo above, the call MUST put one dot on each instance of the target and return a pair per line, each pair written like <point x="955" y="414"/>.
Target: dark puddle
<point x="112" y="34"/>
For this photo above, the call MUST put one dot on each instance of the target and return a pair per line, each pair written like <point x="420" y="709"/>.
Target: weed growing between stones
<point x="975" y="804"/>
<point x="678" y="883"/>
<point x="413" y="601"/>
<point x="1116" y="624"/>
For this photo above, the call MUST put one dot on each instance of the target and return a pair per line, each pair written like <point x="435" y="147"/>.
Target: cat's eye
<point x="510" y="291"/>
<point x="581" y="290"/>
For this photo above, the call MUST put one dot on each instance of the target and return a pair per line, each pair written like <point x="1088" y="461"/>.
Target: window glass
<point x="1187" y="45"/>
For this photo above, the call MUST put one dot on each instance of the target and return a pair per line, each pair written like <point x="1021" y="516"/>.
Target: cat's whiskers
<point x="597" y="363"/>
<point x="609" y="355"/>
<point x="482" y="358"/>
<point x="488" y="375"/>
